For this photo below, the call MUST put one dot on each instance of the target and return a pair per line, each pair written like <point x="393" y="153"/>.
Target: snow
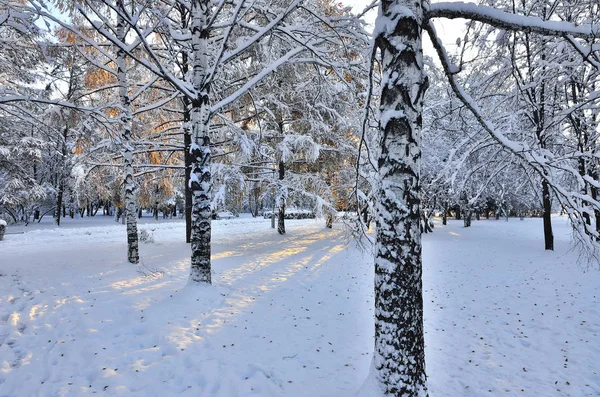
<point x="390" y="114"/>
<point x="287" y="315"/>
<point x="505" y="20"/>
<point x="503" y="315"/>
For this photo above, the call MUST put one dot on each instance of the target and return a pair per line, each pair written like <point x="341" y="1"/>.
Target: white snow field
<point x="288" y="316"/>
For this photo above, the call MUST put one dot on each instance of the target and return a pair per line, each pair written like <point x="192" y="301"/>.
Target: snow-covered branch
<point x="508" y="21"/>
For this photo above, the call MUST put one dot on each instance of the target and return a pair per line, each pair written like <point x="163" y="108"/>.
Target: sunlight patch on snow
<point x="222" y="255"/>
<point x="5" y="368"/>
<point x="249" y="268"/>
<point x="13" y="319"/>
<point x="333" y="251"/>
<point x="138" y="365"/>
<point x="183" y="337"/>
<point x="182" y="265"/>
<point x="142" y="365"/>
<point x="232" y="307"/>
<point x="453" y="234"/>
<point x="37" y="310"/>
<point x="238" y="303"/>
<point x="288" y="273"/>
<point x="59" y="302"/>
<point x="26" y="359"/>
<point x="133" y="286"/>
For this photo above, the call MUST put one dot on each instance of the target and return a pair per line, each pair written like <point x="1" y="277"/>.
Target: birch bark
<point x="126" y="143"/>
<point x="200" y="177"/>
<point x="399" y="357"/>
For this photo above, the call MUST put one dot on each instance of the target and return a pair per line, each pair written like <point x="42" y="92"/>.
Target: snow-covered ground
<point x="287" y="316"/>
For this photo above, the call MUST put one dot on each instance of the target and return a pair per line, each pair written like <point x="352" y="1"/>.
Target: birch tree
<point x="399" y="360"/>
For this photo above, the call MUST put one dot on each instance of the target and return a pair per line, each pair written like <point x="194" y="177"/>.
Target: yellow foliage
<point x="95" y="78"/>
<point x="79" y="147"/>
<point x="155" y="158"/>
<point x="112" y="112"/>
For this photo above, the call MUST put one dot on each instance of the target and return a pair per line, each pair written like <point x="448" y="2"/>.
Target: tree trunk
<point x="594" y="193"/>
<point x="62" y="165"/>
<point x="255" y="195"/>
<point x="329" y="221"/>
<point x="127" y="147"/>
<point x="200" y="182"/>
<point x="365" y="216"/>
<point x="445" y="214"/>
<point x="282" y="199"/>
<point x="582" y="172"/>
<point x="187" y="131"/>
<point x="426" y="225"/>
<point x="466" y="209"/>
<point x="399" y="356"/>
<point x="467" y="218"/>
<point x="582" y="144"/>
<point x="187" y="141"/>
<point x="59" y="203"/>
<point x="548" y="236"/>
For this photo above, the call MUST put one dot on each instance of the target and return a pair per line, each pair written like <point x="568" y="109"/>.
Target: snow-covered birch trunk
<point x="126" y="143"/>
<point x="187" y="132"/>
<point x="187" y="143"/>
<point x="399" y="357"/>
<point x="200" y="178"/>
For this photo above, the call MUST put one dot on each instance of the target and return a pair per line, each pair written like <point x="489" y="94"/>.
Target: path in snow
<point x="289" y="316"/>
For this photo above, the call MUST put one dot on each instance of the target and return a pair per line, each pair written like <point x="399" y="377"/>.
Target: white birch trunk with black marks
<point x="399" y="356"/>
<point x="200" y="177"/>
<point x="187" y="132"/>
<point x="187" y="143"/>
<point x="126" y="144"/>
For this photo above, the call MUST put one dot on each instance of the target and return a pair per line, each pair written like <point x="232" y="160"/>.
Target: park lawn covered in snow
<point x="288" y="315"/>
